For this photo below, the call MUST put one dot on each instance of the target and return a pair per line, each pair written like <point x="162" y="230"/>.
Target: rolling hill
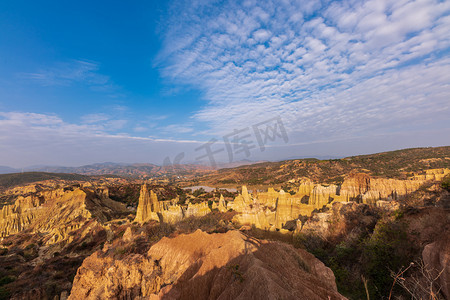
<point x="392" y="164"/>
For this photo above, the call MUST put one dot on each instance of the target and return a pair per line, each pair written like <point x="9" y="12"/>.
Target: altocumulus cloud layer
<point x="29" y="139"/>
<point x="331" y="69"/>
<point x="346" y="77"/>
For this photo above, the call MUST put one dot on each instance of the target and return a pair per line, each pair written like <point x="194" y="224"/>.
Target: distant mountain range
<point x="139" y="170"/>
<point x="6" y="170"/>
<point x="390" y="164"/>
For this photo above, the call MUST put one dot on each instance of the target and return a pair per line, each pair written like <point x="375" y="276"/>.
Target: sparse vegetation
<point x="419" y="281"/>
<point x="4" y="293"/>
<point x="198" y="192"/>
<point x="212" y="222"/>
<point x="10" y="180"/>
<point x="237" y="275"/>
<point x="364" y="259"/>
<point x="394" y="164"/>
<point x="365" y="251"/>
<point x="445" y="184"/>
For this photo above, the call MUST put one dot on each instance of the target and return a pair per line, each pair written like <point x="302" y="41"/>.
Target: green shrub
<point x="445" y="184"/>
<point x="120" y="251"/>
<point x="398" y="214"/>
<point x="6" y="279"/>
<point x="4" y="293"/>
<point x="389" y="248"/>
<point x="182" y="199"/>
<point x="30" y="246"/>
<point x="312" y="243"/>
<point x="237" y="275"/>
<point x="198" y="192"/>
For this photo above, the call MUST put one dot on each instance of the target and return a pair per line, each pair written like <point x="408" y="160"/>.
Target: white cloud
<point x="340" y="68"/>
<point x="140" y="129"/>
<point x="261" y="35"/>
<point x="178" y="128"/>
<point x="94" y="118"/>
<point x="102" y="121"/>
<point x="29" y="138"/>
<point x="345" y="76"/>
<point x="70" y="73"/>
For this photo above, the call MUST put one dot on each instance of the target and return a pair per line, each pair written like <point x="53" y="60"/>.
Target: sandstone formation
<point x="149" y="208"/>
<point x="207" y="266"/>
<point x="222" y="206"/>
<point x="322" y="195"/>
<point x="369" y="190"/>
<point x="57" y="212"/>
<point x="197" y="210"/>
<point x="271" y="210"/>
<point x="432" y="174"/>
<point x="363" y="188"/>
<point x="47" y="232"/>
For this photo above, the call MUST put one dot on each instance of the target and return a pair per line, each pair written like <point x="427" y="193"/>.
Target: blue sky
<point x="84" y="82"/>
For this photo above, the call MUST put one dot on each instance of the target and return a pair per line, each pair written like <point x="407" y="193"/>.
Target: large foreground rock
<point x="436" y="257"/>
<point x="207" y="266"/>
